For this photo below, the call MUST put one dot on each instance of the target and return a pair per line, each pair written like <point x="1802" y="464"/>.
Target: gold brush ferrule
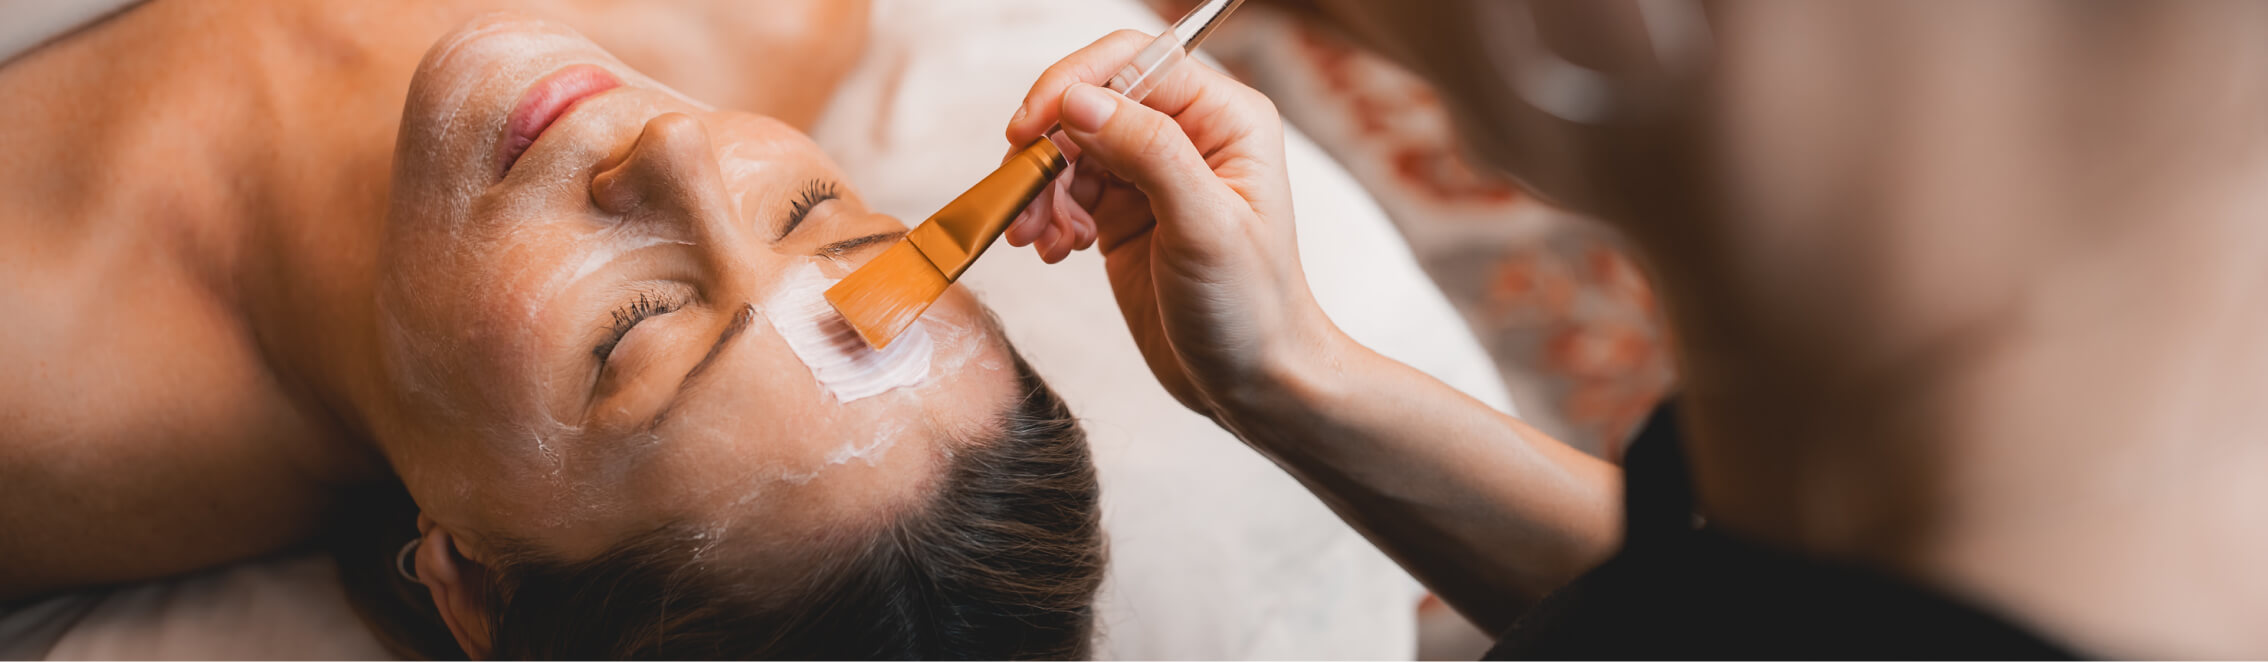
<point x="953" y="237"/>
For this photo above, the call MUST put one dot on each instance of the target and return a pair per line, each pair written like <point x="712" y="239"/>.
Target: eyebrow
<point x="847" y="245"/>
<point x="739" y="323"/>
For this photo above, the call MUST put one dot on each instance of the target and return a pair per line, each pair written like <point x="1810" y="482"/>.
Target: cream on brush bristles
<point x="886" y="295"/>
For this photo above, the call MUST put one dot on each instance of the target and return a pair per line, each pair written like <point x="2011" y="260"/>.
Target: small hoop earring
<point x="401" y="560"/>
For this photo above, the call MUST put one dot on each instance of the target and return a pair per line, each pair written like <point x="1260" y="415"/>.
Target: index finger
<point x="1092" y="64"/>
<point x="1213" y="109"/>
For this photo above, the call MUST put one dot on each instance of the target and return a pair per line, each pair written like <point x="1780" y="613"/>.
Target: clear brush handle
<point x="1142" y="74"/>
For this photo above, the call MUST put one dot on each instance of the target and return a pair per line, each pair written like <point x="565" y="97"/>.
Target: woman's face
<point x="581" y="282"/>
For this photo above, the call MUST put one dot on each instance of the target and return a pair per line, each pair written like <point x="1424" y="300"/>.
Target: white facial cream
<point x="827" y="344"/>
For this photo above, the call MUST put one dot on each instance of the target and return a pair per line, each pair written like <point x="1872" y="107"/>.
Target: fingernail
<point x="1086" y="107"/>
<point x="1021" y="111"/>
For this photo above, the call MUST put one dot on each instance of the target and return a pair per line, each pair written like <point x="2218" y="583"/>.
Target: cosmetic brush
<point x="886" y="295"/>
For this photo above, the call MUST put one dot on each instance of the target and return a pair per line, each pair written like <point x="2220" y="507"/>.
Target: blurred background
<point x="1565" y="314"/>
<point x="1568" y="319"/>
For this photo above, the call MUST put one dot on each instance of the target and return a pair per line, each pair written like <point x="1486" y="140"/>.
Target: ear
<point x="459" y="586"/>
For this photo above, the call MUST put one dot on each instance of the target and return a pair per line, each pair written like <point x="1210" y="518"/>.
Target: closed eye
<point x="814" y="192"/>
<point x="627" y="317"/>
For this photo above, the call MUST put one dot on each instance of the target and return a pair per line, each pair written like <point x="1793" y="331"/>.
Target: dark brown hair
<point x="1001" y="562"/>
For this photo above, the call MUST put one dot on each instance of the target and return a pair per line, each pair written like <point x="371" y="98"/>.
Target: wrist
<point x="1293" y="387"/>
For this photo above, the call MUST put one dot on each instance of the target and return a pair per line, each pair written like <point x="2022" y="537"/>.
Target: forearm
<point x="1488" y="512"/>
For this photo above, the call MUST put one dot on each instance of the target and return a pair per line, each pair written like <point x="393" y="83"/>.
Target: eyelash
<point x="813" y="193"/>
<point x="646" y="306"/>
<point x="628" y="317"/>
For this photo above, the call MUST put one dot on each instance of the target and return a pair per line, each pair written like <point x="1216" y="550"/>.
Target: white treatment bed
<point x="1215" y="553"/>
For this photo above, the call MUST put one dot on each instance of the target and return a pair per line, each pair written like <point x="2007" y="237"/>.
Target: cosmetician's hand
<point x="1186" y="194"/>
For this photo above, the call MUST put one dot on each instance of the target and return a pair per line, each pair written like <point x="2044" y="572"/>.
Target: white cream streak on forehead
<point x="826" y="343"/>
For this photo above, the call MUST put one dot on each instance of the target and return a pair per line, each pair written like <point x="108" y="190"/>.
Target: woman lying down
<point x="578" y="325"/>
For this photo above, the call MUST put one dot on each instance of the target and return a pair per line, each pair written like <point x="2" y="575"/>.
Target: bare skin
<point x="1197" y="236"/>
<point x="1969" y="293"/>
<point x="248" y="302"/>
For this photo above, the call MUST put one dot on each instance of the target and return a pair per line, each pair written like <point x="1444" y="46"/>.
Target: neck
<point x="295" y="140"/>
<point x="312" y="271"/>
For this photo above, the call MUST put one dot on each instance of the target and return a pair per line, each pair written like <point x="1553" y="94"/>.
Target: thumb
<point x="1149" y="150"/>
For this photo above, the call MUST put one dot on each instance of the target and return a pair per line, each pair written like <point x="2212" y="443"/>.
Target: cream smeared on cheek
<point x="827" y="344"/>
<point x="613" y="247"/>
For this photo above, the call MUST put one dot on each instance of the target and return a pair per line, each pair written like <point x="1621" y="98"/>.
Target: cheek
<point x="465" y="322"/>
<point x="505" y="295"/>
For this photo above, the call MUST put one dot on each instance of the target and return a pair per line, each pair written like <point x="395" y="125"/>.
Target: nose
<point x="669" y="176"/>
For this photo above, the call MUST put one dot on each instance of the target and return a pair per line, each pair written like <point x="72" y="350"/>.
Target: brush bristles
<point x="884" y="297"/>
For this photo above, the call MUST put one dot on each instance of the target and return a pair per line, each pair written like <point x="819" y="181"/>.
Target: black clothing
<point x="1681" y="590"/>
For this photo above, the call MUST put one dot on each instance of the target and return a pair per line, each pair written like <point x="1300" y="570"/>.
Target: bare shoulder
<point x="141" y="431"/>
<point x="139" y="435"/>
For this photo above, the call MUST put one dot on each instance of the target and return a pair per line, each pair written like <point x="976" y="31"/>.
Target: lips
<point x="545" y="102"/>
